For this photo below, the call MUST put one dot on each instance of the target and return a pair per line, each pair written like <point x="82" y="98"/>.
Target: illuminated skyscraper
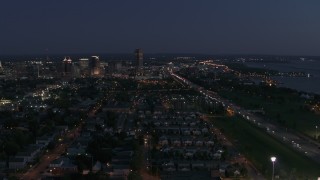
<point x="84" y="63"/>
<point x="139" y="58"/>
<point x="84" y="67"/>
<point x="94" y="66"/>
<point x="67" y="64"/>
<point x="1" y="71"/>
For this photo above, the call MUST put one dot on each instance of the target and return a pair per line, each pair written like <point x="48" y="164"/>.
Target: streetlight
<point x="273" y="159"/>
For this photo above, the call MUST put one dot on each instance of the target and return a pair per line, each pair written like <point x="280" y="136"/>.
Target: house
<point x="131" y="133"/>
<point x="97" y="167"/>
<point x="91" y="127"/>
<point x="106" y="168"/>
<point x="125" y="155"/>
<point x="120" y="171"/>
<point x="204" y="130"/>
<point x="217" y="155"/>
<point x="223" y="167"/>
<point x="17" y="163"/>
<point x="236" y="173"/>
<point x="186" y="132"/>
<point x="197" y="165"/>
<point x="157" y="124"/>
<point x="3" y="164"/>
<point x="63" y="164"/>
<point x="187" y="142"/>
<point x="86" y="134"/>
<point x="83" y="142"/>
<point x="184" y="166"/>
<point x="85" y="171"/>
<point x="168" y="166"/>
<point x="188" y="118"/>
<point x="193" y="124"/>
<point x="173" y="129"/>
<point x="209" y="143"/>
<point x="57" y="163"/>
<point x="199" y="143"/>
<point x="163" y="140"/>
<point x="45" y="140"/>
<point x="27" y="156"/>
<point x="100" y="121"/>
<point x="222" y="170"/>
<point x="30" y="154"/>
<point x="215" y="174"/>
<point x="68" y="166"/>
<point x="196" y="132"/>
<point x="75" y="150"/>
<point x="176" y="142"/>
<point x="189" y="154"/>
<point x="62" y="129"/>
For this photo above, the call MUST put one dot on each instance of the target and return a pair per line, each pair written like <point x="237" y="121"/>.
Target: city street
<point x="36" y="171"/>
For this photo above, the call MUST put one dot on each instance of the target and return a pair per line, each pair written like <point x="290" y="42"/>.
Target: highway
<point x="299" y="142"/>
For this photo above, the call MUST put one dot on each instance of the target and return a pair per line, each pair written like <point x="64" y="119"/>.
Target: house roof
<point x="57" y="161"/>
<point x="15" y="159"/>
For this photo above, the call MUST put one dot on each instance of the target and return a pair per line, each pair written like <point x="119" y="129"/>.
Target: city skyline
<point x="160" y="90"/>
<point x="209" y="27"/>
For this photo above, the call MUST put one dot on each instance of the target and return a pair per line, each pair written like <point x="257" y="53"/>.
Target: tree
<point x="11" y="148"/>
<point x="21" y="138"/>
<point x="134" y="176"/>
<point x="83" y="162"/>
<point x="33" y="126"/>
<point x="244" y="171"/>
<point x="111" y="119"/>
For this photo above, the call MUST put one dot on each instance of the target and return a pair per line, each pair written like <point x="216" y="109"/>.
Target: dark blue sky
<point x="289" y="27"/>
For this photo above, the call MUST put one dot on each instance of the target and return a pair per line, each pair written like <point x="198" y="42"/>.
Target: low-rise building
<point x="17" y="163"/>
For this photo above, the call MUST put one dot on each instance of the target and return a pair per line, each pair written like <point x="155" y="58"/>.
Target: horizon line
<point x="158" y="53"/>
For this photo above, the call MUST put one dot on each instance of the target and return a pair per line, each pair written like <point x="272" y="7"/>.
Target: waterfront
<point x="311" y="84"/>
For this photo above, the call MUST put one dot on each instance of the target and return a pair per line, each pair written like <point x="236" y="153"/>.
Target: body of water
<point x="311" y="84"/>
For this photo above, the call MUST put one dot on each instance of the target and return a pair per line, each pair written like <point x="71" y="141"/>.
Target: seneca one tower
<point x="139" y="58"/>
<point x="94" y="66"/>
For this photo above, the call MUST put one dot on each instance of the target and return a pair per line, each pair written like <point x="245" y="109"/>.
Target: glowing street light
<point x="273" y="160"/>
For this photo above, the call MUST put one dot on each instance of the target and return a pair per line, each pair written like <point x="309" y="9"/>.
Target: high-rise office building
<point x="139" y="58"/>
<point x="67" y="65"/>
<point x="84" y="67"/>
<point x="94" y="65"/>
<point x="83" y="63"/>
<point x="1" y="68"/>
<point x="1" y="71"/>
<point x="114" y="66"/>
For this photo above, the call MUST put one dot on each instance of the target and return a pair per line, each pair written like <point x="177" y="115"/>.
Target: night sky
<point x="284" y="27"/>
